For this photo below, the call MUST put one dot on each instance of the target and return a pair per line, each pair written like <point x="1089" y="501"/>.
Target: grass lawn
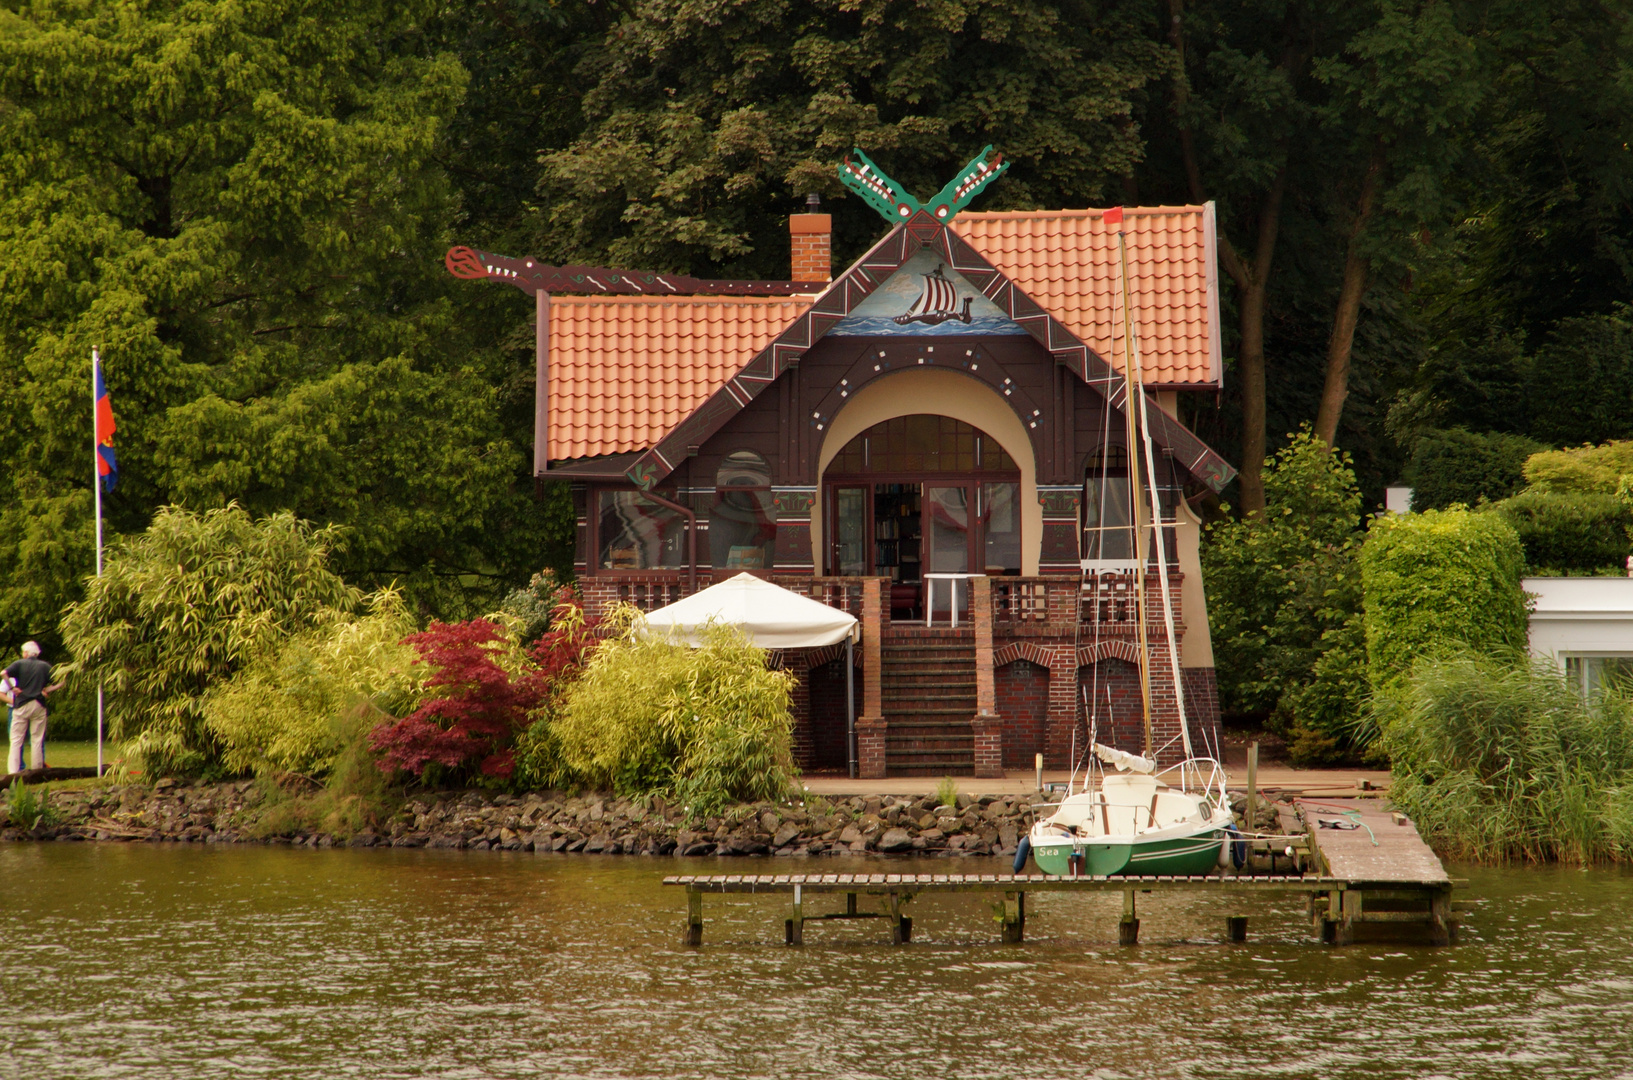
<point x="69" y="754"/>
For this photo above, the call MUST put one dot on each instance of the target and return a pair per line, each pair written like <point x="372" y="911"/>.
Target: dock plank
<point x="1399" y="857"/>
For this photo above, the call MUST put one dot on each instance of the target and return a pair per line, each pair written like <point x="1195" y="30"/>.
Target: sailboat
<point x="1139" y="820"/>
<point x="935" y="304"/>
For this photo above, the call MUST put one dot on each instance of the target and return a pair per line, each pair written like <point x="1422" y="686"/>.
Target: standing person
<point x="32" y="677"/>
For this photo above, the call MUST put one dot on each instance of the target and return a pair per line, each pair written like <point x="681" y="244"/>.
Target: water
<point x="186" y="961"/>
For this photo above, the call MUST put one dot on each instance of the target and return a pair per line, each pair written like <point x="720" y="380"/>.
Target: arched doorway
<point x="921" y="494"/>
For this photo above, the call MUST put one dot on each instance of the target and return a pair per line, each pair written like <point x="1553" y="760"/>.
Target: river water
<point x="188" y="961"/>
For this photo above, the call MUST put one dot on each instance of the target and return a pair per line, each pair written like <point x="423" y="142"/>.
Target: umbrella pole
<point x="850" y="704"/>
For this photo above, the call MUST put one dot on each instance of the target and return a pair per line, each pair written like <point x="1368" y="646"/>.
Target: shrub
<point x="356" y="795"/>
<point x="531" y="607"/>
<point x="1566" y="532"/>
<point x="280" y="714"/>
<point x="483" y="688"/>
<point x="1581" y="470"/>
<point x="1437" y="583"/>
<point x="707" y="724"/>
<point x="1500" y="759"/>
<point x="1282" y="586"/>
<point x="184" y="605"/>
<point x="1456" y="466"/>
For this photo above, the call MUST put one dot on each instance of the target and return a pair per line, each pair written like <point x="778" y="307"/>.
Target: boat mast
<point x="1162" y="545"/>
<point x="1135" y="491"/>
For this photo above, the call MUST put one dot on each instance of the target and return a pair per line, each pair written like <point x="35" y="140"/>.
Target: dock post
<point x="1440" y="916"/>
<point x="796" y="925"/>
<point x="898" y="932"/>
<point x="1252" y="786"/>
<point x="850" y="904"/>
<point x="1236" y="928"/>
<point x="1014" y="917"/>
<point x="1343" y="912"/>
<point x="1128" y="929"/>
<point x="694" y="917"/>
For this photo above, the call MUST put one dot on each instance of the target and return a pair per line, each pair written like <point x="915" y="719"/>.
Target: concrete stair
<point x="928" y="686"/>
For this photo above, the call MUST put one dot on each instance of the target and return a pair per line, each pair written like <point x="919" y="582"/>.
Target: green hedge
<point x="1440" y="582"/>
<point x="1564" y="533"/>
<point x="1457" y="466"/>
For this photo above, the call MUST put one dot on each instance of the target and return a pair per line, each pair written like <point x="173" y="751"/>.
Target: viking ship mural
<point x="937" y="303"/>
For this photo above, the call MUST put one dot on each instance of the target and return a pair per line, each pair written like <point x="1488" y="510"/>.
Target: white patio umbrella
<point x="773" y="618"/>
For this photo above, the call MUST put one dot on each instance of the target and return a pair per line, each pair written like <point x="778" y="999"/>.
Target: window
<point x="919" y="444"/>
<point x="1591" y="674"/>
<point x="1108" y="514"/>
<point x="636" y="533"/>
<point x="742" y="526"/>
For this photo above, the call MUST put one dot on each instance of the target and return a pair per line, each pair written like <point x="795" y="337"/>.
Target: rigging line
<point x="1133" y="339"/>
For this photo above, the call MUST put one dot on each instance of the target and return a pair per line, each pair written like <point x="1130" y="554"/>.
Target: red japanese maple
<point x="478" y="708"/>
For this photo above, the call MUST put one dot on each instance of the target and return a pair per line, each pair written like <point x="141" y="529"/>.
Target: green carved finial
<point x="967" y="185"/>
<point x="878" y="190"/>
<point x="895" y="205"/>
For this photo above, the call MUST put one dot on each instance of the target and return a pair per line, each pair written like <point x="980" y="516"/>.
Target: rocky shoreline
<point x="546" y="822"/>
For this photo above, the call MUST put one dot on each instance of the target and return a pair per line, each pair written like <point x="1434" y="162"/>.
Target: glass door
<point x="947" y="534"/>
<point x="850" y="553"/>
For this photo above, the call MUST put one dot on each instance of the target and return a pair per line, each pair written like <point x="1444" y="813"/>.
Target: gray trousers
<point x="27" y="722"/>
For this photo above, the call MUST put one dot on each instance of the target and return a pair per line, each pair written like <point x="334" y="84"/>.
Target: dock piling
<point x="1236" y="928"/>
<point x="1128" y="929"/>
<point x="1014" y="917"/>
<point x="694" y="917"/>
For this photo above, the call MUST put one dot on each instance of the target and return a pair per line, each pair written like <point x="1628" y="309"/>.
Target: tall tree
<point x="1240" y="113"/>
<point x="240" y="203"/>
<point x="709" y="119"/>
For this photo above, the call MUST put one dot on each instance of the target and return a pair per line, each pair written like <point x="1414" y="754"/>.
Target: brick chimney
<point x="812" y="236"/>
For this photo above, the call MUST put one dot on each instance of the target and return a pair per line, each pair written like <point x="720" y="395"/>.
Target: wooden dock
<point x="1391" y="876"/>
<point x="1379" y="872"/>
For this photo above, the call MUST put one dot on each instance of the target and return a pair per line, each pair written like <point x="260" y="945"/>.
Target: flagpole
<point x="96" y="487"/>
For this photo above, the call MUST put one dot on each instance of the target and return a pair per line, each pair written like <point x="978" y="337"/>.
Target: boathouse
<point x="932" y="440"/>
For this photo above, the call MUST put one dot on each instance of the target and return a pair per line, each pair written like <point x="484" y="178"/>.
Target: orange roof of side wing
<point x="625" y="370"/>
<point x="1066" y="260"/>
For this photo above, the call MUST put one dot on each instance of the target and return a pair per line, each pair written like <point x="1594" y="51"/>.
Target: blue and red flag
<point x="107" y="466"/>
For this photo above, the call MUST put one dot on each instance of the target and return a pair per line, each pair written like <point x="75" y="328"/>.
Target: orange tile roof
<point x="625" y="370"/>
<point x="1066" y="260"/>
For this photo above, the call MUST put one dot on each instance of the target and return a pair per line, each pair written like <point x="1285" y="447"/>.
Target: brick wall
<point x="1023" y="703"/>
<point x="827" y="723"/>
<point x="1114" y="688"/>
<point x="1202" y="706"/>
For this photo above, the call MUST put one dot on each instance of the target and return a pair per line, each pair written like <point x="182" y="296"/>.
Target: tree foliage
<point x="241" y="204"/>
<point x="185" y="605"/>
<point x="1284" y="597"/>
<point x="1458" y="466"/>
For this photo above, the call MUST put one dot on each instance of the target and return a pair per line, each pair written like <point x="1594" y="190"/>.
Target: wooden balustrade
<point x="1058" y="605"/>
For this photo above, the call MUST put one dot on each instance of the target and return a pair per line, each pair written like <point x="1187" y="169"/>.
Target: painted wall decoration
<point x="926" y="298"/>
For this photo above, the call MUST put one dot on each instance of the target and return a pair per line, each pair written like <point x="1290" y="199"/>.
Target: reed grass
<point x="1499" y="760"/>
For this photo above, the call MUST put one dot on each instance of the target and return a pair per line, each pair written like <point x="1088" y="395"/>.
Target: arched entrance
<point x="921" y="494"/>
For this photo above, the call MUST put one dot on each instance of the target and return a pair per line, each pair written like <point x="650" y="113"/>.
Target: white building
<point x="1584" y="624"/>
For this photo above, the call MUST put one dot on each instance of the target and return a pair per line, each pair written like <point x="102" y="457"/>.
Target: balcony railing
<point x="1059" y="605"/>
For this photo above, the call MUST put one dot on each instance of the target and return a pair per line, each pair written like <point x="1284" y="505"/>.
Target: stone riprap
<point x="983" y="825"/>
